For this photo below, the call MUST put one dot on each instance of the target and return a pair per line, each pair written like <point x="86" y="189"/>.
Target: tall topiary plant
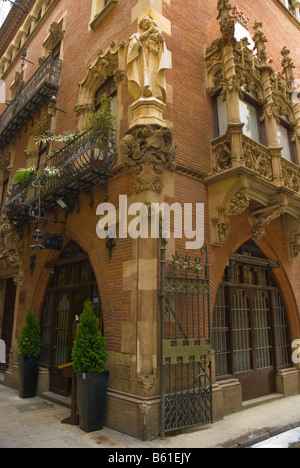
<point x="89" y="349"/>
<point x="89" y="356"/>
<point x="30" y="340"/>
<point x="28" y="360"/>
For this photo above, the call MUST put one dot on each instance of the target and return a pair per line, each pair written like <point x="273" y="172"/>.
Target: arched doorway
<point x="250" y="333"/>
<point x="72" y="283"/>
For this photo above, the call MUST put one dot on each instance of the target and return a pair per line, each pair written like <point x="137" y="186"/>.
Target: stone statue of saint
<point x="147" y="61"/>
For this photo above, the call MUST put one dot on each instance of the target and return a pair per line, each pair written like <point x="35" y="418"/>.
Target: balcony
<point x="80" y="164"/>
<point x="36" y="91"/>
<point x="247" y="175"/>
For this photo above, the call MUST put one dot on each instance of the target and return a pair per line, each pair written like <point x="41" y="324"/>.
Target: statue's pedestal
<point x="146" y="111"/>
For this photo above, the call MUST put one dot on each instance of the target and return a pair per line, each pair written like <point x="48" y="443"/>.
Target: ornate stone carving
<point x="240" y="17"/>
<point x="257" y="158"/>
<point x="291" y="175"/>
<point x="83" y="109"/>
<point x="119" y="76"/>
<point x="106" y="65"/>
<point x="223" y="231"/>
<point x="260" y="39"/>
<point x="146" y="382"/>
<point x="4" y="159"/>
<point x="239" y="202"/>
<point x="221" y="153"/>
<point x="288" y="66"/>
<point x="56" y="35"/>
<point x="231" y="84"/>
<point x="270" y="110"/>
<point x="226" y="20"/>
<point x="258" y="232"/>
<point x="11" y="246"/>
<point x="41" y="123"/>
<point x="148" y="144"/>
<point x="147" y="178"/>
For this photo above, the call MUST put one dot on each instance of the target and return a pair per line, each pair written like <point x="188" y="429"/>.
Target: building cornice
<point x="12" y="23"/>
<point x="30" y="37"/>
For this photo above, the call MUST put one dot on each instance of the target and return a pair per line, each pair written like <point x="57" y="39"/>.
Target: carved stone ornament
<point x="4" y="159"/>
<point x="223" y="231"/>
<point x="226" y="20"/>
<point x="11" y="246"/>
<point x="56" y="35"/>
<point x="148" y="144"/>
<point x="83" y="109"/>
<point x="260" y="39"/>
<point x="148" y="178"/>
<point x="258" y="232"/>
<point x="288" y="66"/>
<point x="105" y="66"/>
<point x="239" y="203"/>
<point x="146" y="382"/>
<point x="41" y="123"/>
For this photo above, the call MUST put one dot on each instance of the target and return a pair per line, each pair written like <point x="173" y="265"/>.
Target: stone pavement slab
<point x="36" y="423"/>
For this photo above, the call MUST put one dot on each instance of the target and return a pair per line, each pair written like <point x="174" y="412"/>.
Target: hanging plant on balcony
<point x="45" y="174"/>
<point x="67" y="137"/>
<point x="101" y="125"/>
<point x="23" y="176"/>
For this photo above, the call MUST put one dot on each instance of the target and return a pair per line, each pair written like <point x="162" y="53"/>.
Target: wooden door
<point x="8" y="318"/>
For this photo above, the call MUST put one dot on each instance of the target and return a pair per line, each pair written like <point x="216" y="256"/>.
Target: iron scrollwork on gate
<point x="186" y="389"/>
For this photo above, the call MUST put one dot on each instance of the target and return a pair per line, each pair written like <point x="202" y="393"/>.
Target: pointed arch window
<point x="250" y="329"/>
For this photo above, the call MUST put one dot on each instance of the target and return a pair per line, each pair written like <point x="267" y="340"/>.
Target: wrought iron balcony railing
<point x="80" y="165"/>
<point x="36" y="91"/>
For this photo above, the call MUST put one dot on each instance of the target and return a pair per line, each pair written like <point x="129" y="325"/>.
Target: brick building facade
<point x="206" y="111"/>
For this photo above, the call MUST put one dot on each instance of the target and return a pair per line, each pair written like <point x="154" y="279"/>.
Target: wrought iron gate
<point x="186" y="383"/>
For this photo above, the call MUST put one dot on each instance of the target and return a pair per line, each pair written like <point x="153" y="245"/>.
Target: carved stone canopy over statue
<point x="147" y="61"/>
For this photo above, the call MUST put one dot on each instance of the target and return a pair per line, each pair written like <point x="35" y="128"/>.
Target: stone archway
<point x="251" y="336"/>
<point x="72" y="282"/>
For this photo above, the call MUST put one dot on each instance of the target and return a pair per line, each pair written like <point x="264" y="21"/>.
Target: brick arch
<point x="79" y="234"/>
<point x="273" y="246"/>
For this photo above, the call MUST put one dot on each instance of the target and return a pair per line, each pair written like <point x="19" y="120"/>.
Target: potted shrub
<point x="29" y="358"/>
<point x="89" y="356"/>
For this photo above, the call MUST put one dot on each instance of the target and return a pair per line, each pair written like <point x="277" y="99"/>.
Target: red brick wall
<point x="194" y="27"/>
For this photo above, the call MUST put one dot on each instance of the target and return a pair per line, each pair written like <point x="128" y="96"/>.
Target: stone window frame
<point x="100" y="9"/>
<point x="294" y="15"/>
<point x="216" y="85"/>
<point x="109" y="64"/>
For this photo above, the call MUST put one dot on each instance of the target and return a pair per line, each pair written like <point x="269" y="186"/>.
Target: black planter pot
<point x="91" y="398"/>
<point x="28" y="376"/>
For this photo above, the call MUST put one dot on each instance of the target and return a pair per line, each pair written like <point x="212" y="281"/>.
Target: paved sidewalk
<point x="36" y="423"/>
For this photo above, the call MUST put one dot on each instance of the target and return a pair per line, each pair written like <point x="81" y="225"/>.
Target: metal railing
<point x="39" y="87"/>
<point x="80" y="164"/>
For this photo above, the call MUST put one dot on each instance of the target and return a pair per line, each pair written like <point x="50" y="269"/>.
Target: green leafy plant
<point x="30" y="340"/>
<point x="22" y="176"/>
<point x="67" y="137"/>
<point x="101" y="124"/>
<point x="89" y="349"/>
